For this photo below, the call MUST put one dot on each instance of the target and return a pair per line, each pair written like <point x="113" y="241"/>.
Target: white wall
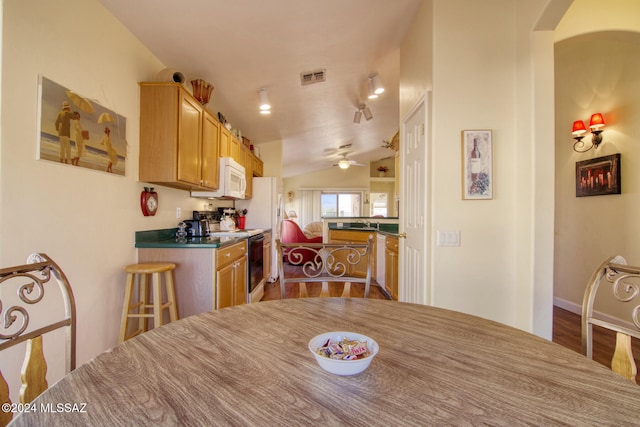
<point x="591" y="229"/>
<point x="482" y="76"/>
<point x="85" y="220"/>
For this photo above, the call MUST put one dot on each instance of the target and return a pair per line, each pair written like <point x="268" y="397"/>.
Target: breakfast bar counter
<point x="167" y="239"/>
<point x="250" y="365"/>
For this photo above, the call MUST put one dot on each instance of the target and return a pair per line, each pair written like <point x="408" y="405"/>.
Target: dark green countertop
<point x="167" y="239"/>
<point x="385" y="228"/>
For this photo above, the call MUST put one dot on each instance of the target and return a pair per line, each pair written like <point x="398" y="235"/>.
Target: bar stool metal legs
<point x="144" y="309"/>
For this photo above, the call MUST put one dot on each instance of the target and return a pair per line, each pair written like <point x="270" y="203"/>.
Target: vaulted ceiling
<point x="241" y="46"/>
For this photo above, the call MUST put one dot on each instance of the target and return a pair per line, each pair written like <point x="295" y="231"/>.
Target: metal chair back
<point x="620" y="283"/>
<point x="24" y="320"/>
<point x="326" y="263"/>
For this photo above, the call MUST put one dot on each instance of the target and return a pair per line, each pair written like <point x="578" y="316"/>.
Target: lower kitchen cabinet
<point x="354" y="237"/>
<point x="391" y="266"/>
<point x="231" y="275"/>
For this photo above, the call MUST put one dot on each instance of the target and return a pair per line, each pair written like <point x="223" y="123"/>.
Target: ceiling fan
<point x="345" y="163"/>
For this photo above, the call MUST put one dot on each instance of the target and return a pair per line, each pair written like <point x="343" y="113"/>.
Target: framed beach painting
<point x="477" y="164"/>
<point x="79" y="132"/>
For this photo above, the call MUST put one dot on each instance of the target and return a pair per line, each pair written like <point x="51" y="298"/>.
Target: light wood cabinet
<point x="179" y="139"/>
<point x="229" y="145"/>
<point x="210" y="151"/>
<point x="258" y="166"/>
<point x="391" y="266"/>
<point x="225" y="142"/>
<point x="358" y="237"/>
<point x="246" y="157"/>
<point x="231" y="275"/>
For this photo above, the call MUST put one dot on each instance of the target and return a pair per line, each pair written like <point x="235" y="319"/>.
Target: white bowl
<point x="342" y="367"/>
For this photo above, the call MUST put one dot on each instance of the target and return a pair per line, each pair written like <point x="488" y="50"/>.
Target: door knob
<point x="402" y="235"/>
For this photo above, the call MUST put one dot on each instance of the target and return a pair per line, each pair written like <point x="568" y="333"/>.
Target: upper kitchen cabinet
<point x="229" y="145"/>
<point x="179" y="139"/>
<point x="246" y="160"/>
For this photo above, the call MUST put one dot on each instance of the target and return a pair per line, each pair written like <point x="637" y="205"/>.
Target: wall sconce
<point x="290" y="194"/>
<point x="595" y="124"/>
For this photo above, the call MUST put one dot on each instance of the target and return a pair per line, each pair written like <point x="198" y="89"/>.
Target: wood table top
<point x="249" y="365"/>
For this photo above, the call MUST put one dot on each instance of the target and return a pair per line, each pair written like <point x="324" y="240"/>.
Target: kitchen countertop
<point x="388" y="229"/>
<point x="167" y="239"/>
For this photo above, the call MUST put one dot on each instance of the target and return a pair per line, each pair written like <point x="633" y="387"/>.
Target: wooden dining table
<point x="250" y="365"/>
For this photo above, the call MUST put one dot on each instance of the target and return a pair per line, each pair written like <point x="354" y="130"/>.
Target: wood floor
<point x="566" y="325"/>
<point x="567" y="332"/>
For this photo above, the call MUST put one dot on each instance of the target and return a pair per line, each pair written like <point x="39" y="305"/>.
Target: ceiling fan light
<point x="264" y="100"/>
<point x="357" y="117"/>
<point x="344" y="164"/>
<point x="377" y="85"/>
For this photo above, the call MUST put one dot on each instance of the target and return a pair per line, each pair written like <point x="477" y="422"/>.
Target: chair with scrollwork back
<point x="23" y="320"/>
<point x="325" y="263"/>
<point x="620" y="283"/>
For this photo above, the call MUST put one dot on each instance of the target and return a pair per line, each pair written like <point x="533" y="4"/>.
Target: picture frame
<point x="599" y="176"/>
<point x="477" y="164"/>
<point x="79" y="132"/>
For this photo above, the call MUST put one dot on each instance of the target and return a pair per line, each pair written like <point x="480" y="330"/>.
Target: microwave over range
<point x="233" y="182"/>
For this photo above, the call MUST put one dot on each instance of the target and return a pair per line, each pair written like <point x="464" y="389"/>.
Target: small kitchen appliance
<point x="197" y="227"/>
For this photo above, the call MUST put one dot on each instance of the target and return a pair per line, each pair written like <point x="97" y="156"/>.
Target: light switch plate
<point x="449" y="238"/>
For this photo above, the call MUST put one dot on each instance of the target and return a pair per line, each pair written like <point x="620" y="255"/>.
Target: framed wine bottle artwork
<point x="477" y="164"/>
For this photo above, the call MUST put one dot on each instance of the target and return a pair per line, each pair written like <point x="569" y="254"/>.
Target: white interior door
<point x="414" y="284"/>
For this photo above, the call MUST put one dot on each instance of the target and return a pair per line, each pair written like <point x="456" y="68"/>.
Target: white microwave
<point x="233" y="181"/>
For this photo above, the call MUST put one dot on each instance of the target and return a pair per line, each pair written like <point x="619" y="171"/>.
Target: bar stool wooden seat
<point x="143" y="309"/>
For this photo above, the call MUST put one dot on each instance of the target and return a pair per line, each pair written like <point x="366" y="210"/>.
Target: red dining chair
<point x="291" y="233"/>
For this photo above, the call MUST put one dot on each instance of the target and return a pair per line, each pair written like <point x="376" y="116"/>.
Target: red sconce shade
<point x="578" y="128"/>
<point x="597" y="121"/>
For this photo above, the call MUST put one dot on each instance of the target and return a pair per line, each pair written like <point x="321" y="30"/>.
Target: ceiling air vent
<point x="312" y="77"/>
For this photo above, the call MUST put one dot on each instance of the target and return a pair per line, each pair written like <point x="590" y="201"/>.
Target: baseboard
<point x="577" y="309"/>
<point x="568" y="305"/>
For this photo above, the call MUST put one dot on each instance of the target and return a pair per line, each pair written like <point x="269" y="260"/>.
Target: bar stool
<point x="146" y="310"/>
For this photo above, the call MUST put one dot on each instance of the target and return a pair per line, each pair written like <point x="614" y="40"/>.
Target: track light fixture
<point x="372" y="92"/>
<point x="377" y="84"/>
<point x="374" y="86"/>
<point x="265" y="106"/>
<point x="362" y="110"/>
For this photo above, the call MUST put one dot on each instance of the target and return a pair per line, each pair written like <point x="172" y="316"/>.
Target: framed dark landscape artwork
<point x="599" y="176"/>
<point x="78" y="131"/>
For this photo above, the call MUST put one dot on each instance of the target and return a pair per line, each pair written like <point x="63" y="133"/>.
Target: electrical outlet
<point x="178" y="213"/>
